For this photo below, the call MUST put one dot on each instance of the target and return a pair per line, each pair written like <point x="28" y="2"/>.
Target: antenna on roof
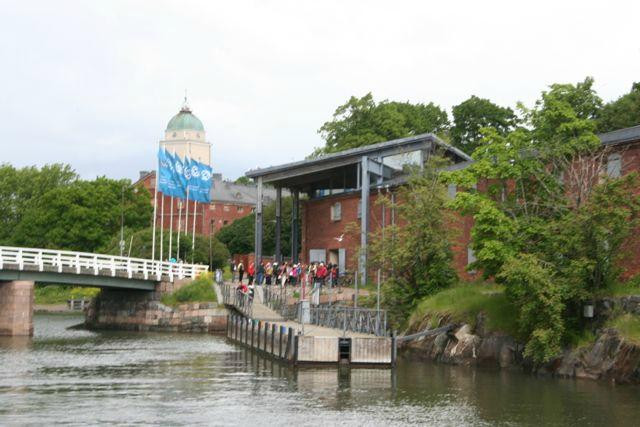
<point x="185" y="105"/>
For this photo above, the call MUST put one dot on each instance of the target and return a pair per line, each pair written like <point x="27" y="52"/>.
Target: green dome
<point x="184" y="120"/>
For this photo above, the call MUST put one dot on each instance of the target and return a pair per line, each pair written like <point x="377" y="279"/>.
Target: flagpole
<point x="171" y="228"/>
<point x="179" y="228"/>
<point x="186" y="214"/>
<point x="162" y="228"/>
<point x="193" y="233"/>
<point x="155" y="210"/>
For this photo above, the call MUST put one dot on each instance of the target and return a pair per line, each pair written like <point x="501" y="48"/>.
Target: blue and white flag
<point x="176" y="184"/>
<point x="206" y="174"/>
<point x="166" y="184"/>
<point x="194" y="180"/>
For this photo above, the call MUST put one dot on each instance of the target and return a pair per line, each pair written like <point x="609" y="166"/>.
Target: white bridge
<point x="83" y="268"/>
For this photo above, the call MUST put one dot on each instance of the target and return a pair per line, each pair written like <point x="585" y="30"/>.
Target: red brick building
<point x="340" y="190"/>
<point x="337" y="188"/>
<point x="229" y="201"/>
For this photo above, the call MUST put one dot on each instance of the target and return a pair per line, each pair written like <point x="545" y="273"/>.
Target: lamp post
<point x="122" y="223"/>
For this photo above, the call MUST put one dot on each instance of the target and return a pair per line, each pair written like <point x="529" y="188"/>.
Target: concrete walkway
<point x="264" y="313"/>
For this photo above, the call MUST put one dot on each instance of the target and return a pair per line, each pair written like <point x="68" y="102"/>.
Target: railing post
<point x="273" y="338"/>
<point x="59" y="262"/>
<point x="266" y="334"/>
<point x="1" y="259"/>
<point x="253" y="331"/>
<point x="20" y="260"/>
<point x="258" y="334"/>
<point x="95" y="265"/>
<point x="77" y="263"/>
<point x="40" y="261"/>
<point x="129" y="272"/>
<point x="113" y="267"/>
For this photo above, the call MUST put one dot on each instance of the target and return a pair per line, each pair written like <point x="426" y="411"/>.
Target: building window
<point x="240" y="209"/>
<point x="614" y="167"/>
<point x="451" y="191"/>
<point x="225" y="222"/>
<point x="336" y="211"/>
<point x="226" y="208"/>
<point x="212" y="207"/>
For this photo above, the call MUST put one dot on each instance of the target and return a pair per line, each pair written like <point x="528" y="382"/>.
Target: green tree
<point x="239" y="235"/>
<point x="474" y="114"/>
<point x="416" y="257"/>
<point x="621" y="113"/>
<point x="549" y="225"/>
<point x="21" y="188"/>
<point x="243" y="180"/>
<point x="362" y="121"/>
<point x="83" y="215"/>
<point x="208" y="251"/>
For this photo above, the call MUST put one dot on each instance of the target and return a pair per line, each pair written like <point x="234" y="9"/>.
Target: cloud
<point x="93" y="84"/>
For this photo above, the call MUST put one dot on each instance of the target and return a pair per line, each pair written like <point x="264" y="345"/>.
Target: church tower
<point x="186" y="137"/>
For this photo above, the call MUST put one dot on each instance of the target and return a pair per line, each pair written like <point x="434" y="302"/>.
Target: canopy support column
<point x="278" y="224"/>
<point x="258" y="232"/>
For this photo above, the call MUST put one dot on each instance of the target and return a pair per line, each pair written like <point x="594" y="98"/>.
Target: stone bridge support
<point x="16" y="308"/>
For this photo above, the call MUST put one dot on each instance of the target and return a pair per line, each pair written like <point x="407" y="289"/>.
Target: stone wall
<point x="610" y="357"/>
<point x="16" y="308"/>
<point x="143" y="311"/>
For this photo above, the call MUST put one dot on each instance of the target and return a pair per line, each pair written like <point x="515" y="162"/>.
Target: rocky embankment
<point x="143" y="311"/>
<point x="610" y="357"/>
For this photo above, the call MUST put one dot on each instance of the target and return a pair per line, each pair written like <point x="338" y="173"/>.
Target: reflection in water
<point x="78" y="376"/>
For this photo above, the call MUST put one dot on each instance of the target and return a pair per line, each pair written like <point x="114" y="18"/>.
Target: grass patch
<point x="200" y="290"/>
<point x="227" y="274"/>
<point x="620" y="289"/>
<point x="463" y="303"/>
<point x="628" y="325"/>
<point x="58" y="294"/>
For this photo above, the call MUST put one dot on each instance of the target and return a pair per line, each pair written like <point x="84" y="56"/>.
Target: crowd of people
<point x="317" y="274"/>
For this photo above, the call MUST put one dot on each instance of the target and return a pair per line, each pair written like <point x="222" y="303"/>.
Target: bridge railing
<point x="96" y="264"/>
<point x="241" y="301"/>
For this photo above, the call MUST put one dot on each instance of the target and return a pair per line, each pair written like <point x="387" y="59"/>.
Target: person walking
<point x="251" y="271"/>
<point x="260" y="273"/>
<point x="268" y="273"/>
<point x="240" y="271"/>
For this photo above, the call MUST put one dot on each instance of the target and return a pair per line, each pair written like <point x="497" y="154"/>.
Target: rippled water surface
<point x="81" y="377"/>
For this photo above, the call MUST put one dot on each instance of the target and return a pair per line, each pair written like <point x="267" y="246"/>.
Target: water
<point x="80" y="377"/>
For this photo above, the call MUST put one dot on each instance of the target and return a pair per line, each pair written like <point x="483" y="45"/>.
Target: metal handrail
<point x="353" y="319"/>
<point x="96" y="263"/>
<point x="242" y="302"/>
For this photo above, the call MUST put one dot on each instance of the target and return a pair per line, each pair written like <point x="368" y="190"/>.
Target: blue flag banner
<point x="176" y="185"/>
<point x="205" y="183"/>
<point x="194" y="181"/>
<point x="166" y="184"/>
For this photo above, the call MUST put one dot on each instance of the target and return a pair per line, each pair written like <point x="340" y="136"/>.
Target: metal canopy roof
<point x="341" y="167"/>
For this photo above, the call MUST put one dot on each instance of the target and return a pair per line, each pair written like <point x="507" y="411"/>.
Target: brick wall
<point x="319" y="231"/>
<point x="208" y="217"/>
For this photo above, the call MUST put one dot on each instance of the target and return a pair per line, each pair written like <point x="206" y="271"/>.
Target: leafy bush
<point x="416" y="256"/>
<point x="199" y="290"/>
<point x="58" y="294"/>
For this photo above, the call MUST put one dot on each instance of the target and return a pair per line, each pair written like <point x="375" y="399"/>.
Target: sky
<point x="94" y="83"/>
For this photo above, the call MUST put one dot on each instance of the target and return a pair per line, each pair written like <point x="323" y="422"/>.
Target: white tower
<point x="186" y="137"/>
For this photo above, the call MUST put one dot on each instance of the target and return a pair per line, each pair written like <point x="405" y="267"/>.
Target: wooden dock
<point x="265" y="331"/>
<point x="286" y="343"/>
